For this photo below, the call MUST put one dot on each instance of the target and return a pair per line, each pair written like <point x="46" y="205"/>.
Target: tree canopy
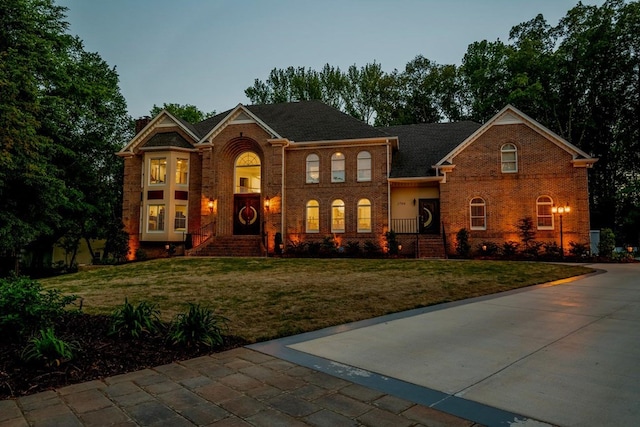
<point x="62" y="118"/>
<point x="187" y="112"/>
<point x="580" y="78"/>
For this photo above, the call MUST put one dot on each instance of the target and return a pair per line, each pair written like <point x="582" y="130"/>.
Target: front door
<point x="429" y="216"/>
<point x="246" y="214"/>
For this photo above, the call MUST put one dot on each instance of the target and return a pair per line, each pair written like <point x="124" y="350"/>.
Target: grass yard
<point x="268" y="298"/>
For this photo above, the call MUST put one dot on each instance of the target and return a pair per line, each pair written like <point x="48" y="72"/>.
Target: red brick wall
<point x="544" y="169"/>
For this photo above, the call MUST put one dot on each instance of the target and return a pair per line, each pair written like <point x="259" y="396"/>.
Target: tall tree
<point x="188" y="112"/>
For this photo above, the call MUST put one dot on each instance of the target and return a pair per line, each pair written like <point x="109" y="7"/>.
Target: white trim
<point x="153" y="124"/>
<point x="230" y="120"/>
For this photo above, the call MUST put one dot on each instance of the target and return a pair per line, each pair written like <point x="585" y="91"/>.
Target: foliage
<point x="353" y="248"/>
<point x="510" y="248"/>
<point x="578" y="250"/>
<point x="607" y="243"/>
<point x="141" y="255"/>
<point x="371" y="249"/>
<point x="463" y="247"/>
<point x="25" y="306"/>
<point x="187" y="112"/>
<point x="488" y="249"/>
<point x="198" y="326"/>
<point x="328" y="246"/>
<point x="133" y="321"/>
<point x="552" y="250"/>
<point x="532" y="250"/>
<point x="392" y="243"/>
<point x="526" y="229"/>
<point x="48" y="349"/>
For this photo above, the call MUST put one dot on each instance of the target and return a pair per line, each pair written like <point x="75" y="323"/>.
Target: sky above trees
<point x="208" y="53"/>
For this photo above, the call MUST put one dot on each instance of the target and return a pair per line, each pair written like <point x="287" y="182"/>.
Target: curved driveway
<point x="566" y="354"/>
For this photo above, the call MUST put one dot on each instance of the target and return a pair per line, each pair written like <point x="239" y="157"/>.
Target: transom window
<point x="313" y="216"/>
<point x="364" y="216"/>
<point x="313" y="169"/>
<point x="155" y="219"/>
<point x="509" y="158"/>
<point x="337" y="216"/>
<point x="158" y="171"/>
<point x="544" y="213"/>
<point x="182" y="171"/>
<point x="337" y="167"/>
<point x="478" y="214"/>
<point x="364" y="166"/>
<point x="180" y="221"/>
<point x="247" y="173"/>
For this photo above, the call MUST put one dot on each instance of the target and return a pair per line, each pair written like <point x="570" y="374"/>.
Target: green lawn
<point x="271" y="297"/>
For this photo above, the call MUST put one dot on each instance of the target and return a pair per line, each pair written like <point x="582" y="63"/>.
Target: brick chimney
<point x="141" y="123"/>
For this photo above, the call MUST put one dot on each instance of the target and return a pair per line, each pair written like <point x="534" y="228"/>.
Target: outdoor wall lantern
<point x="561" y="210"/>
<point x="267" y="203"/>
<point x="210" y="205"/>
<point x="399" y="248"/>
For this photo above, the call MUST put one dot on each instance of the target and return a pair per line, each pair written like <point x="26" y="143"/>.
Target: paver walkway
<point x="240" y="387"/>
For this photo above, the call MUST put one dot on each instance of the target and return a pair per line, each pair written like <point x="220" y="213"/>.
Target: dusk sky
<point x="206" y="53"/>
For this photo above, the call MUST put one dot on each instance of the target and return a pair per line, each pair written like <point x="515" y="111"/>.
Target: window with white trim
<point x="544" y="213"/>
<point x="180" y="220"/>
<point x="182" y="171"/>
<point x="364" y="166"/>
<point x="337" y="167"/>
<point x="313" y="216"/>
<point x="364" y="216"/>
<point x="155" y="219"/>
<point x="337" y="216"/>
<point x="158" y="171"/>
<point x="509" y="158"/>
<point x="478" y="214"/>
<point x="313" y="169"/>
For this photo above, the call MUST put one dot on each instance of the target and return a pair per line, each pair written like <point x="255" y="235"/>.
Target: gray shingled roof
<point x="303" y="121"/>
<point x="424" y="145"/>
<point x="167" y="139"/>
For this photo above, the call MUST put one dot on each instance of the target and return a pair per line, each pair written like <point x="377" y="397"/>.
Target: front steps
<point x="231" y="246"/>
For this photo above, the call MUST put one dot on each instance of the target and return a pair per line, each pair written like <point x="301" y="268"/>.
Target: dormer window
<point x="509" y="158"/>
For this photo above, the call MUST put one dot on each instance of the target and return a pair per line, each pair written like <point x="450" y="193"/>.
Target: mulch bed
<point x="99" y="356"/>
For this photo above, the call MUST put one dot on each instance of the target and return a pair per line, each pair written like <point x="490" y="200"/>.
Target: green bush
<point x="26" y="307"/>
<point x="371" y="249"/>
<point x="607" y="243"/>
<point x="510" y="248"/>
<point x="392" y="242"/>
<point x="141" y="255"/>
<point x="134" y="321"/>
<point x="488" y="249"/>
<point x="198" y="326"/>
<point x="578" y="250"/>
<point x="47" y="349"/>
<point x="463" y="247"/>
<point x="552" y="250"/>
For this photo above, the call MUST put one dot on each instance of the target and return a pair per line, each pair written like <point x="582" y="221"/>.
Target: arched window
<point x="337" y="167"/>
<point x="364" y="216"/>
<point x="364" y="166"/>
<point x="313" y="216"/>
<point x="247" y="173"/>
<point x="544" y="214"/>
<point x="509" y="158"/>
<point x="337" y="216"/>
<point x="313" y="169"/>
<point x="478" y="214"/>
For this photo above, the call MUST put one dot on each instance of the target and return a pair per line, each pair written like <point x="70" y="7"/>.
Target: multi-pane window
<point x="180" y="221"/>
<point x="478" y="214"/>
<point x="313" y="169"/>
<point x="509" y="158"/>
<point x="182" y="171"/>
<point x="544" y="213"/>
<point x="337" y="167"/>
<point x="364" y="216"/>
<point x="158" y="171"/>
<point x="337" y="216"/>
<point x="364" y="166"/>
<point x="313" y="216"/>
<point x="247" y="173"/>
<point x="155" y="220"/>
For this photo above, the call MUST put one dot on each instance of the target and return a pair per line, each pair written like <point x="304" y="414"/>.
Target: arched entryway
<point x="247" y="182"/>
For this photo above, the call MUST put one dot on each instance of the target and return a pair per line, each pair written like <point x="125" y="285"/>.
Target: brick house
<point x="255" y="179"/>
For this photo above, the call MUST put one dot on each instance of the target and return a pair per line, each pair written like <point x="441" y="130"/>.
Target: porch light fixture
<point x="267" y="203"/>
<point x="210" y="205"/>
<point x="561" y="210"/>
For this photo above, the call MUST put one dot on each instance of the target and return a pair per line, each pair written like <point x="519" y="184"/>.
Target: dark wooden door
<point x="429" y="216"/>
<point x="246" y="214"/>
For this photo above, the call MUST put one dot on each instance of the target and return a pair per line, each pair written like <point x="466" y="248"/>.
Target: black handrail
<point x="201" y="235"/>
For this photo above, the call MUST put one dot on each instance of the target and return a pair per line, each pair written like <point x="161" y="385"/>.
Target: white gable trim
<point x="511" y="115"/>
<point x="163" y="119"/>
<point x="239" y="115"/>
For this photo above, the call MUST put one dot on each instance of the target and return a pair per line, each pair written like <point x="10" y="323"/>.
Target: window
<point x="158" y="171"/>
<point x="313" y="169"/>
<point x="313" y="217"/>
<point x="180" y="221"/>
<point x="509" y="158"/>
<point x="478" y="214"/>
<point x="364" y="166"/>
<point x="337" y="167"/>
<point x="544" y="214"/>
<point x="155" y="221"/>
<point x="337" y="216"/>
<point x="247" y="173"/>
<point x="364" y="216"/>
<point x="182" y="171"/>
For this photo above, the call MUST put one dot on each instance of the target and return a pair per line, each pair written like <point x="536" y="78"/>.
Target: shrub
<point x="25" y="307"/>
<point x="353" y="248"/>
<point x="510" y="248"/>
<point x="296" y="248"/>
<point x="527" y="233"/>
<point x="392" y="242"/>
<point x="313" y="248"/>
<point x="488" y="249"/>
<point x="141" y="255"/>
<point x="371" y="249"/>
<point x="532" y="249"/>
<point x="607" y="243"/>
<point x="48" y="349"/>
<point x="134" y="321"/>
<point x="552" y="250"/>
<point x="198" y="326"/>
<point x="328" y="246"/>
<point x="579" y="250"/>
<point x="463" y="248"/>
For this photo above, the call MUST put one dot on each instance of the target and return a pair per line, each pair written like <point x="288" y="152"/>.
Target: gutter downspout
<point x="388" y="190"/>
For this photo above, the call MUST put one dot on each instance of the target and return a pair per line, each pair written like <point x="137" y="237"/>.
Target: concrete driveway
<point x="565" y="354"/>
